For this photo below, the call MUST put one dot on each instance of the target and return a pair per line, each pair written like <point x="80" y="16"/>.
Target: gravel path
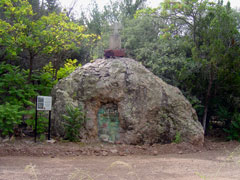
<point x="210" y="165"/>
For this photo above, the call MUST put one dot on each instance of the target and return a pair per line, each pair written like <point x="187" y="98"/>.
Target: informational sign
<point x="44" y="103"/>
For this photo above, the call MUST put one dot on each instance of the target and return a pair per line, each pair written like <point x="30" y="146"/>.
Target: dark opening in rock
<point x="108" y="123"/>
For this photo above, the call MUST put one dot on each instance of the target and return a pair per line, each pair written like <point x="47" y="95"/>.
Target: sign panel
<point x="44" y="103"/>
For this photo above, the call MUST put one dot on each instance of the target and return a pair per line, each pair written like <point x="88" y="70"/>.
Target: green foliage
<point x="193" y="45"/>
<point x="234" y="129"/>
<point x="100" y="23"/>
<point x="68" y="68"/>
<point x="17" y="97"/>
<point x="53" y="34"/>
<point x="73" y="122"/>
<point x="10" y="117"/>
<point x="49" y="71"/>
<point x="165" y="57"/>
<point x="196" y="103"/>
<point x="129" y="8"/>
<point x="177" y="139"/>
<point x="35" y="5"/>
<point x="17" y="94"/>
<point x="52" y="6"/>
<point x="223" y="114"/>
<point x="42" y="122"/>
<point x="45" y="83"/>
<point x="42" y="137"/>
<point x="14" y="87"/>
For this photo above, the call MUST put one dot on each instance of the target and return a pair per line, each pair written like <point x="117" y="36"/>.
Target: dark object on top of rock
<point x="112" y="53"/>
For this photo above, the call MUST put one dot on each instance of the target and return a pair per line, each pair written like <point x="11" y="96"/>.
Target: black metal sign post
<point x="35" y="132"/>
<point x="43" y="103"/>
<point x="49" y="125"/>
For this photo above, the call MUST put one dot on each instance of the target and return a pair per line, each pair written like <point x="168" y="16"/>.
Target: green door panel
<point x="108" y="123"/>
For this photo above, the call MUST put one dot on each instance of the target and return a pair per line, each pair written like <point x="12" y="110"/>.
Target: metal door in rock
<point x="108" y="123"/>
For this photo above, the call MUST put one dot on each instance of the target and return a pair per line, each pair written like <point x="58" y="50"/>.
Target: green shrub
<point x="73" y="122"/>
<point x="15" y="97"/>
<point x="42" y="122"/>
<point x="14" y="87"/>
<point x="17" y="94"/>
<point x="177" y="138"/>
<point x="234" y="129"/>
<point x="10" y="117"/>
<point x="223" y="114"/>
<point x="42" y="137"/>
<point x="68" y="68"/>
<point x="45" y="83"/>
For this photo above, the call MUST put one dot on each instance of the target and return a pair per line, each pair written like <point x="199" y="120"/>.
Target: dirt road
<point x="22" y="159"/>
<point x="217" y="165"/>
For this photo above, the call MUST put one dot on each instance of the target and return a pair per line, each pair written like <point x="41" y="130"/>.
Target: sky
<point x="83" y="4"/>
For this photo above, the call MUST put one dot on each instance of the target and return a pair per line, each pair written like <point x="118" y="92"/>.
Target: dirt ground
<point x="23" y="160"/>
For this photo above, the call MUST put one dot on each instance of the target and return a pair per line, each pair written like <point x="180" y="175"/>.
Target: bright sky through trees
<point x="82" y="4"/>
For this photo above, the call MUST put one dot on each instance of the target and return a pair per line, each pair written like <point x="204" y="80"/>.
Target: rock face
<point x="126" y="103"/>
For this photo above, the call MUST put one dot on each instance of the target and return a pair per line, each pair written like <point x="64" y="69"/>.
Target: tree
<point x="129" y="8"/>
<point x="35" y="5"/>
<point x="51" y="6"/>
<point x="112" y="12"/>
<point x="212" y="28"/>
<point x="143" y="39"/>
<point x="185" y="17"/>
<point x="193" y="45"/>
<point x="100" y="22"/>
<point x="220" y="29"/>
<point x="53" y="34"/>
<point x="94" y="21"/>
<point x="15" y="95"/>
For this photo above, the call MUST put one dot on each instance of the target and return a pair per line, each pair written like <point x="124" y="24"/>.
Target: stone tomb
<point x="125" y="102"/>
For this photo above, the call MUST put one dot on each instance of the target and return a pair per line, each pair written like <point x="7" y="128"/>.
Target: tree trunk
<point x="56" y="64"/>
<point x="30" y="66"/>
<point x="208" y="95"/>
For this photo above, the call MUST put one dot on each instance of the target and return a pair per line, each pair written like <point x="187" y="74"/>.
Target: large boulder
<point x="147" y="109"/>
